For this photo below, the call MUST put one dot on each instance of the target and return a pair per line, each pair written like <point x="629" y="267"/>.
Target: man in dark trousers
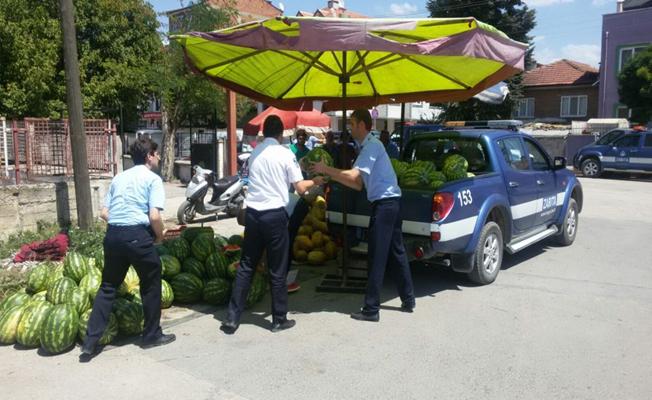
<point x="373" y="169"/>
<point x="272" y="169"/>
<point x="132" y="208"/>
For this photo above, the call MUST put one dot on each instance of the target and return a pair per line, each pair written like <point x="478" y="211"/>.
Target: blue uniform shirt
<point x="132" y="194"/>
<point x="376" y="169"/>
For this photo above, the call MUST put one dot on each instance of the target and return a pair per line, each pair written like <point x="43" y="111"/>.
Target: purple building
<point x="624" y="33"/>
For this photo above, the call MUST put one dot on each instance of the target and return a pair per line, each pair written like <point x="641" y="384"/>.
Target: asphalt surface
<point x="559" y="323"/>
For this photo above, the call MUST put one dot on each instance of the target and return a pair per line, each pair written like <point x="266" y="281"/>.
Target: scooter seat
<point x="222" y="184"/>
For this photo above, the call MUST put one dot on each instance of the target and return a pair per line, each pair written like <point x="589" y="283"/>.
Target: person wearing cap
<point x="372" y="170"/>
<point x="273" y="168"/>
<point x="132" y="209"/>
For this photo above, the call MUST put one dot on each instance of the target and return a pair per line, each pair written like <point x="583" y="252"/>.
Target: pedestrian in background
<point x="132" y="209"/>
<point x="299" y="149"/>
<point x="390" y="147"/>
<point x="373" y="171"/>
<point x="272" y="170"/>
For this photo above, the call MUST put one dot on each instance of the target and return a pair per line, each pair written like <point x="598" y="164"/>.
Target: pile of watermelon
<point x="313" y="244"/>
<point x="52" y="312"/>
<point x="424" y="174"/>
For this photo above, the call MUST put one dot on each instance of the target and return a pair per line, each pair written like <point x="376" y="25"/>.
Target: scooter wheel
<point x="186" y="213"/>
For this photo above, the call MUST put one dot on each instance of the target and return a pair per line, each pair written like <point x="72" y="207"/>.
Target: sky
<point x="568" y="29"/>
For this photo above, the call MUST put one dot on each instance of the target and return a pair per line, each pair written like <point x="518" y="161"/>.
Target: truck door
<point x="546" y="181"/>
<point x="520" y="181"/>
<point x="626" y="148"/>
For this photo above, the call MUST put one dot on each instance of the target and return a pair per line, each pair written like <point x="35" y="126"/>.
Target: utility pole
<point x="75" y="115"/>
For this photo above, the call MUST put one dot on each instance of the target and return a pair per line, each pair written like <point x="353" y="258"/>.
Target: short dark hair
<point x="141" y="148"/>
<point x="273" y="126"/>
<point x="364" y="116"/>
<point x="301" y="132"/>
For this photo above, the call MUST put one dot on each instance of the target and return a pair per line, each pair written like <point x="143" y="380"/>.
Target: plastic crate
<point x="174" y="233"/>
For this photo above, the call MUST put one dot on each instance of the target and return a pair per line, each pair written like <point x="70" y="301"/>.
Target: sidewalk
<point x="175" y="195"/>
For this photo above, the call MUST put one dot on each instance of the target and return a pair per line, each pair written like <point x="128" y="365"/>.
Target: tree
<point x="117" y="43"/>
<point x="184" y="95"/>
<point x="635" y="86"/>
<point x="516" y="20"/>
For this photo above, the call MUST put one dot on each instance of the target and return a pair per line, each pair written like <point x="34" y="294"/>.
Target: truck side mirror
<point x="560" y="162"/>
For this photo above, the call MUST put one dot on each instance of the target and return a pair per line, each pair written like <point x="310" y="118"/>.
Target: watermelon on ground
<point x="236" y="240"/>
<point x="187" y="288"/>
<point x="99" y="259"/>
<point x="37" y="280"/>
<point x="170" y="266"/>
<point x="193" y="266"/>
<point x="40" y="296"/>
<point x="257" y="289"/>
<point x="232" y="252"/>
<point x="167" y="294"/>
<point x="79" y="299"/>
<point x="60" y="290"/>
<point x="190" y="234"/>
<point x="161" y="249"/>
<point x="220" y="241"/>
<point x="75" y="266"/>
<point x="217" y="291"/>
<point x="202" y="247"/>
<point x="91" y="283"/>
<point x="130" y="316"/>
<point x="109" y="334"/>
<point x="178" y="247"/>
<point x="56" y="272"/>
<point x="59" y="330"/>
<point x="9" y="320"/>
<point x="232" y="269"/>
<point x="216" y="265"/>
<point x="130" y="282"/>
<point x="15" y="299"/>
<point x="29" y="328"/>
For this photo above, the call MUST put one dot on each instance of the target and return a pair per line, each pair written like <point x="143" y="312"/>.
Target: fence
<point x="35" y="148"/>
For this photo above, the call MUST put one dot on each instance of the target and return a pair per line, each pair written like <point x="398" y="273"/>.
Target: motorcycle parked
<point x="228" y="193"/>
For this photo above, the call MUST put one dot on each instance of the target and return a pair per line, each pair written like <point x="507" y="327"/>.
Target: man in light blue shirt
<point x="132" y="208"/>
<point x="373" y="170"/>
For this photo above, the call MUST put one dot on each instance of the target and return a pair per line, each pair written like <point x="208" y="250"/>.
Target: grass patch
<point x="11" y="282"/>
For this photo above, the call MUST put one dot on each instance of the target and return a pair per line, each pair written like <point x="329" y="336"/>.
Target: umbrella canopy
<point x="286" y="61"/>
<point x="312" y="121"/>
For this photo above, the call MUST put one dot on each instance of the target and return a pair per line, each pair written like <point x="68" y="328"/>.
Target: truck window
<point x="609" y="137"/>
<point x="437" y="149"/>
<point x="513" y="153"/>
<point x="538" y="159"/>
<point x="628" y="141"/>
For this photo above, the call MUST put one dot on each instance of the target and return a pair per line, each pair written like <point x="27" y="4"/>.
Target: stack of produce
<point x="313" y="244"/>
<point x="52" y="311"/>
<point x="424" y="175"/>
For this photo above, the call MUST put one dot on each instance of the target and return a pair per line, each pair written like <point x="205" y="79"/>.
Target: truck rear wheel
<point x="488" y="255"/>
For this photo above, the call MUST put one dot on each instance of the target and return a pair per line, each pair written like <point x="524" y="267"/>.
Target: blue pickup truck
<point x="518" y="196"/>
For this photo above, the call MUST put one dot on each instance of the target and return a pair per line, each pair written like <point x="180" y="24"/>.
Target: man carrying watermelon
<point x="272" y="170"/>
<point x="373" y="171"/>
<point x="132" y="208"/>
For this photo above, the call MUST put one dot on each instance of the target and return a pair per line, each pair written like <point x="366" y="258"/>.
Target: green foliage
<point x="87" y="243"/>
<point x="516" y="20"/>
<point x="117" y="44"/>
<point x="44" y="230"/>
<point x="11" y="282"/>
<point x="635" y="86"/>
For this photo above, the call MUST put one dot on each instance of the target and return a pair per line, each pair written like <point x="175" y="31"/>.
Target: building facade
<point x="624" y="33"/>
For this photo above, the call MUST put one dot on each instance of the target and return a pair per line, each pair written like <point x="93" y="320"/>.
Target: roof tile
<point x="562" y="72"/>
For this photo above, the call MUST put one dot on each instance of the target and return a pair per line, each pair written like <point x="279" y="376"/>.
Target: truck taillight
<point x="442" y="204"/>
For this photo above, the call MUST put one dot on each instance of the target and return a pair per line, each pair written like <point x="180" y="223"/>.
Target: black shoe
<point x="407" y="307"/>
<point x="281" y="326"/>
<point x="229" y="327"/>
<point x="163" y="339"/>
<point x="361" y="316"/>
<point x="88" y="352"/>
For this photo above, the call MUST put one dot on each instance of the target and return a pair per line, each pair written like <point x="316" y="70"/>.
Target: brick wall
<point x="547" y="103"/>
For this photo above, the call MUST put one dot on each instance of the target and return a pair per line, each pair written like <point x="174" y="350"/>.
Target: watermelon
<point x="220" y="242"/>
<point x="202" y="247"/>
<point x="193" y="266"/>
<point x="314" y="156"/>
<point x="216" y="265"/>
<point x="79" y="299"/>
<point x="75" y="266"/>
<point x="56" y="272"/>
<point x="232" y="269"/>
<point x="235" y="240"/>
<point x="15" y="299"/>
<point x="40" y="296"/>
<point x="109" y="334"/>
<point x="455" y="167"/>
<point x="60" y="290"/>
<point x="414" y="177"/>
<point x="167" y="295"/>
<point x="161" y="249"/>
<point x="91" y="283"/>
<point x="130" y="316"/>
<point x="399" y="167"/>
<point x="9" y="321"/>
<point x="99" y="259"/>
<point x="257" y="290"/>
<point x="59" y="329"/>
<point x="178" y="247"/>
<point x="187" y="288"/>
<point x="37" y="280"/>
<point x="426" y="166"/>
<point x="190" y="234"/>
<point x="170" y="266"/>
<point x="217" y="291"/>
<point x="28" y="332"/>
<point x="130" y="282"/>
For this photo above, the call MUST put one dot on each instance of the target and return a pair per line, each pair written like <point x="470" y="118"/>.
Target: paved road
<point x="559" y="323"/>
